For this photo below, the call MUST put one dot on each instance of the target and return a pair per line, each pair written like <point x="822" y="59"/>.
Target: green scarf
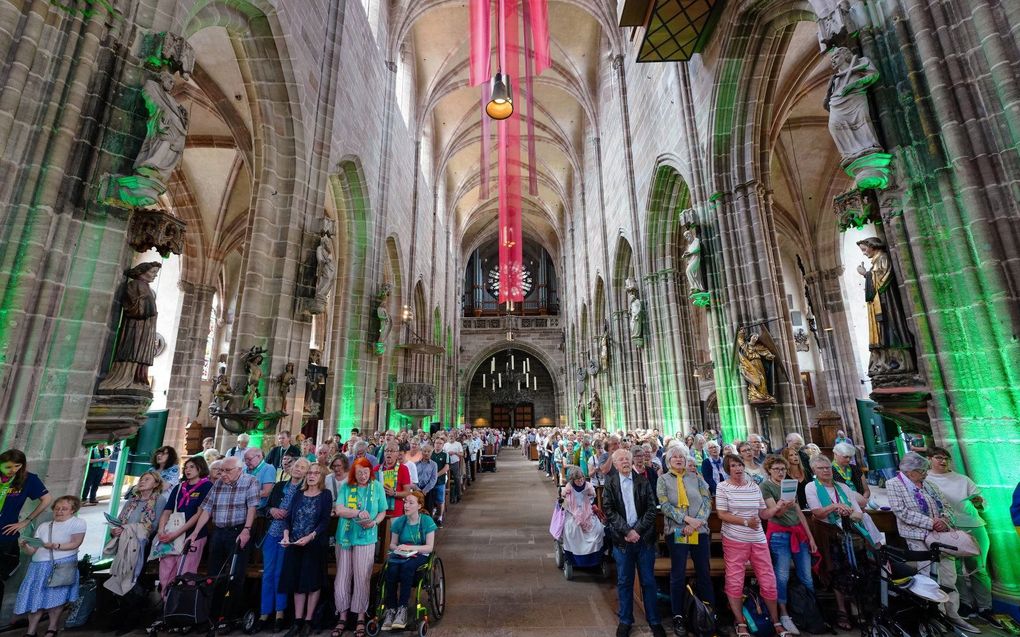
<point x="824" y="500"/>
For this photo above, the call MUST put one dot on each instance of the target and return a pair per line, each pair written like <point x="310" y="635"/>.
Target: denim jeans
<point x="402" y="573"/>
<point x="782" y="555"/>
<point x="678" y="571"/>
<point x="642" y="557"/>
<point x="272" y="564"/>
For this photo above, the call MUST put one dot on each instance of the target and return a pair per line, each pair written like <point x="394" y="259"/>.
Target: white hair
<point x="243" y="438"/>
<point x="794" y="436"/>
<point x="230" y="462"/>
<point x="820" y="461"/>
<point x="914" y="461"/>
<point x="844" y="449"/>
<point x="675" y="449"/>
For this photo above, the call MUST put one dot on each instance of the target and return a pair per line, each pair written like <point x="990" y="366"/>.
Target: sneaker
<point x="623" y="630"/>
<point x="966" y="611"/>
<point x="962" y="624"/>
<point x="387" y="622"/>
<point x="657" y="630"/>
<point x="400" y="621"/>
<point x="788" y="625"/>
<point x="988" y="616"/>
<point x="679" y="627"/>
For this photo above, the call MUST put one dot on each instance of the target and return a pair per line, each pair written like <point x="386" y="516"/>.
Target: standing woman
<point x="278" y="507"/>
<point x="340" y="466"/>
<point x="17" y="486"/>
<point x="741" y="509"/>
<point x="789" y="538"/>
<point x="164" y="460"/>
<point x="795" y="470"/>
<point x="184" y="498"/>
<point x="711" y="467"/>
<point x="60" y="541"/>
<point x="304" y="563"/>
<point x="752" y="469"/>
<point x="685" y="502"/>
<point x="361" y="506"/>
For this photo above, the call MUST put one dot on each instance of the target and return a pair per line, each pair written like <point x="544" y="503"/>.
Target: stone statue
<point x="604" y="347"/>
<point x="287" y="380"/>
<point x="693" y="256"/>
<point x="580" y="407"/>
<point x="754" y="357"/>
<point x="385" y="322"/>
<point x="595" y="407"/>
<point x="887" y="325"/>
<point x="636" y="309"/>
<point x="325" y="266"/>
<point x="252" y="360"/>
<point x="847" y="102"/>
<point x="222" y="393"/>
<point x="136" y="340"/>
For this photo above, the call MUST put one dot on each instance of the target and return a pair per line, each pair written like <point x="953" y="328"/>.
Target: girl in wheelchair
<point x="411" y="542"/>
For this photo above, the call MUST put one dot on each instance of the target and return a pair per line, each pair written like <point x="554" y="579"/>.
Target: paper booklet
<point x="788" y="489"/>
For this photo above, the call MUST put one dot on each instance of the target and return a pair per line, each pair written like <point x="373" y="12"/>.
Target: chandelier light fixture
<point x="501" y="99"/>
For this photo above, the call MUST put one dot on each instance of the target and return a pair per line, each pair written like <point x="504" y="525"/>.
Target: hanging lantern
<point x="501" y="100"/>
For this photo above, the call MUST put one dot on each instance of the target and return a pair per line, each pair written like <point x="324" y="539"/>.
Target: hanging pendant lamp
<point x="501" y="101"/>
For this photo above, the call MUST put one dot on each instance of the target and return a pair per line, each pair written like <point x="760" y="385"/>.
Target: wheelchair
<point x="427" y="603"/>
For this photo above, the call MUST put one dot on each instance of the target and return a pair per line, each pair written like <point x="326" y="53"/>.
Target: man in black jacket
<point x="630" y="514"/>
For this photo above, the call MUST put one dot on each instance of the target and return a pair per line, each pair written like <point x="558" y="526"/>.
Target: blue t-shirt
<point x="189" y="506"/>
<point x="414" y="534"/>
<point x="265" y="473"/>
<point x="32" y="489"/>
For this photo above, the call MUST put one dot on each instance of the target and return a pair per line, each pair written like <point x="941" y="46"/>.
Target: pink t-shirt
<point x="745" y="501"/>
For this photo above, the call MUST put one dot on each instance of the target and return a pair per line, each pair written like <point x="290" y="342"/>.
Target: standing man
<point x="283" y="447"/>
<point x="230" y="505"/>
<point x="759" y="449"/>
<point x="442" y="460"/>
<point x="455" y="451"/>
<point x="240" y="447"/>
<point x="99" y="462"/>
<point x="630" y="512"/>
<point x="427" y="469"/>
<point x="262" y="471"/>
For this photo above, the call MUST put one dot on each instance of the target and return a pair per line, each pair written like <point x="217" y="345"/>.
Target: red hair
<point x="358" y="462"/>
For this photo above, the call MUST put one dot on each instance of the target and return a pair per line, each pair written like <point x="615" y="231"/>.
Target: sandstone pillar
<point x="188" y="391"/>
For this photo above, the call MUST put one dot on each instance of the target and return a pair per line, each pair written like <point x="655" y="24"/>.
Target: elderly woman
<point x="278" y="505"/>
<point x="789" y="538"/>
<point x="741" y="508"/>
<point x="966" y="501"/>
<point x="834" y="503"/>
<point x="641" y="466"/>
<point x="920" y="507"/>
<point x="361" y="506"/>
<point x="711" y="467"/>
<point x="698" y="450"/>
<point x="752" y="469"/>
<point x="849" y="474"/>
<point x="583" y="533"/>
<point x="339" y="467"/>
<point x="685" y="502"/>
<point x="57" y="544"/>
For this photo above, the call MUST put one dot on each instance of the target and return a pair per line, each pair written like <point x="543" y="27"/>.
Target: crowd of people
<point x="205" y="509"/>
<point x="769" y="505"/>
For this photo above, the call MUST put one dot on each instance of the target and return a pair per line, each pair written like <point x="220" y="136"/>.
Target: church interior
<point x="225" y="217"/>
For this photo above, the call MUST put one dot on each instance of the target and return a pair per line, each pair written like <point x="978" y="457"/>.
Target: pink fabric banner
<point x="529" y="88"/>
<point x="539" y="10"/>
<point x="480" y="42"/>
<point x="510" y="246"/>
<point x="483" y="183"/>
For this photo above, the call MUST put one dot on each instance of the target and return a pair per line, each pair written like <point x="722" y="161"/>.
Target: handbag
<point x="173" y="523"/>
<point x="559" y="518"/>
<point x="964" y="545"/>
<point x="700" y="618"/>
<point x="62" y="574"/>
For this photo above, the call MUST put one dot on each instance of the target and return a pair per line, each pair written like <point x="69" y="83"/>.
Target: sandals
<point x="740" y="632"/>
<point x="359" y="629"/>
<point x="339" y="630"/>
<point x="843" y="620"/>
<point x="780" y="630"/>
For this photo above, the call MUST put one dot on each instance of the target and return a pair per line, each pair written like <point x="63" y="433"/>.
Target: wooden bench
<point x="382" y="545"/>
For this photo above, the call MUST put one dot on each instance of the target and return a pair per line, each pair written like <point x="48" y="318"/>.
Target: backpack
<point x="804" y="608"/>
<point x="700" y="618"/>
<point x="756" y="614"/>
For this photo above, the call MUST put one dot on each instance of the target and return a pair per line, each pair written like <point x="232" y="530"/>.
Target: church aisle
<point x="501" y="575"/>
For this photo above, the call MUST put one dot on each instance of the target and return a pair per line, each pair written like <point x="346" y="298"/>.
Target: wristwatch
<point x="745" y="522"/>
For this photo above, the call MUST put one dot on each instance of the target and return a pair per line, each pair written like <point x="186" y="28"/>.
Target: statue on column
<point x="636" y="312"/>
<point x="850" y="120"/>
<point x="888" y="337"/>
<point x="325" y="267"/>
<point x="385" y="322"/>
<point x="136" y="340"/>
<point x="604" y="348"/>
<point x="595" y="407"/>
<point x="755" y="361"/>
<point x="252" y="360"/>
<point x="580" y="407"/>
<point x="287" y="381"/>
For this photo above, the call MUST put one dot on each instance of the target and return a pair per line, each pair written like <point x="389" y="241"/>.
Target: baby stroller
<point x="906" y="602"/>
<point x="568" y="561"/>
<point x="189" y="601"/>
<point x="488" y="462"/>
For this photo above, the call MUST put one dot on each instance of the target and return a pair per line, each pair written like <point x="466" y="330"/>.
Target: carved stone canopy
<point x="156" y="229"/>
<point x="165" y="51"/>
<point x="416" y="399"/>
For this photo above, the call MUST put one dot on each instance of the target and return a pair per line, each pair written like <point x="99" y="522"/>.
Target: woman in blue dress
<point x="306" y="539"/>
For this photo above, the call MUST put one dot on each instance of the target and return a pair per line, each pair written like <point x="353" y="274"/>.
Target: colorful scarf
<point x="682" y="503"/>
<point x="824" y="500"/>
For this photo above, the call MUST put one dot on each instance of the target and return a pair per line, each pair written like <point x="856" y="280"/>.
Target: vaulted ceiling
<point x="437" y="33"/>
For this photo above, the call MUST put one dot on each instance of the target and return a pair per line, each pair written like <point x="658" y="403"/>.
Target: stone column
<point x="187" y="389"/>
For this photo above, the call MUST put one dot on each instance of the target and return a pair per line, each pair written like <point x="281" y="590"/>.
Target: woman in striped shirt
<point x="741" y="508"/>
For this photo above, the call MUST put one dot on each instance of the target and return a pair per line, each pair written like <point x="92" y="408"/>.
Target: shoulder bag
<point x="954" y="542"/>
<point x="62" y="574"/>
